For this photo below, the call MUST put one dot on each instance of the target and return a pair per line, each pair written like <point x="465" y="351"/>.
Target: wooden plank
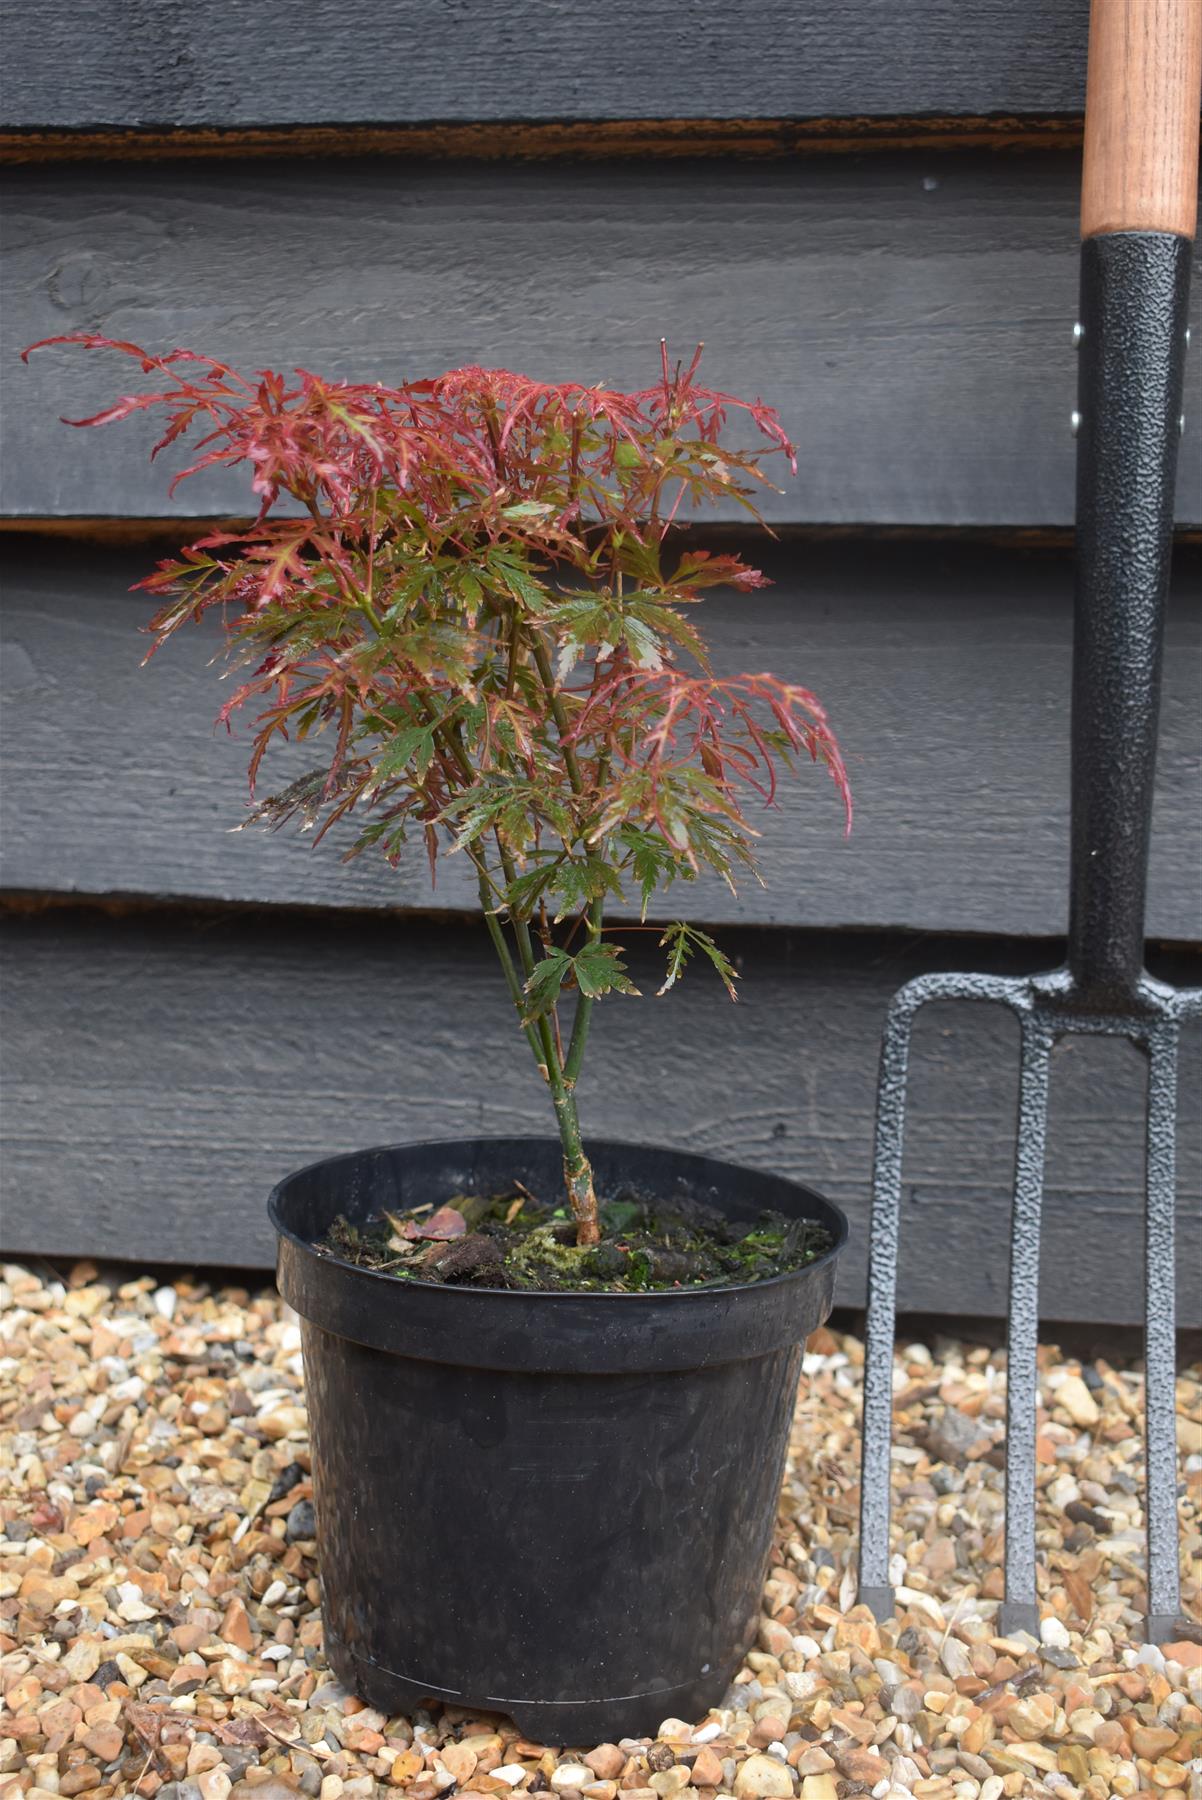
<point x="222" y="64"/>
<point x="161" y="1073"/>
<point x="946" y="670"/>
<point x="910" y="315"/>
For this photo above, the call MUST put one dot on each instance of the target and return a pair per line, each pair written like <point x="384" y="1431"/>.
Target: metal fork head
<point x="1048" y="1007"/>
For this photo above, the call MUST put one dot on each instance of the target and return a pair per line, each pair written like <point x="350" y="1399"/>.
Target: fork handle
<point x="1138" y="215"/>
<point x="1141" y="117"/>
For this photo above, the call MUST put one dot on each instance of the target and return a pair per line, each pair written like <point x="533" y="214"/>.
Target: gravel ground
<point x="162" y="1634"/>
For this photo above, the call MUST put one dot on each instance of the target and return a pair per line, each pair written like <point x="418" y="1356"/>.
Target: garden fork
<point x="1138" y="213"/>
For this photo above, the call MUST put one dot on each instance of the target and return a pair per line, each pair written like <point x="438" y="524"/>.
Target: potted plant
<point x="550" y="1380"/>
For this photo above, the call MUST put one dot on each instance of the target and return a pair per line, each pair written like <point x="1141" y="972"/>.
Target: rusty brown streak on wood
<point x="22" y="903"/>
<point x="604" y="138"/>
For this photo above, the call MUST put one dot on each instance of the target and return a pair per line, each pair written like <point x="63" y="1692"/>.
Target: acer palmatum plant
<point x="470" y="586"/>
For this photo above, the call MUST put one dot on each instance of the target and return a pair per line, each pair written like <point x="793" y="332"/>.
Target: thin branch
<point x="584" y="1006"/>
<point x="497" y="934"/>
<point x="546" y="676"/>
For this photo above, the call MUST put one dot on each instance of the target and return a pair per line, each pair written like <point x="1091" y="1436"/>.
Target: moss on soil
<point x="514" y="1240"/>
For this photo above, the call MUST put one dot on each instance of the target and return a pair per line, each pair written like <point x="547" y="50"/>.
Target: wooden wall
<point x="867" y="212"/>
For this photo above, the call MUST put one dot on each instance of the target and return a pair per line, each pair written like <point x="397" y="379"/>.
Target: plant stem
<point x="578" y="1173"/>
<point x="549" y="1059"/>
<point x="577" y="1170"/>
<point x="543" y="664"/>
<point x="497" y="935"/>
<point x="584" y="1007"/>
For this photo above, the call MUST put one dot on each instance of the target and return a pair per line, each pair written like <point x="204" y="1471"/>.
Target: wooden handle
<point x="1141" y="117"/>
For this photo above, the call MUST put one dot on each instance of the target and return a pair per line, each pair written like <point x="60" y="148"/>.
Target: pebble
<point x="769" y="1728"/>
<point x="572" y="1775"/>
<point x="157" y="1576"/>
<point x="861" y="1765"/>
<point x="707" y="1768"/>
<point x="301" y="1522"/>
<point x="1033" y="1718"/>
<point x="1077" y="1401"/>
<point x="460" y="1760"/>
<point x="1053" y="1632"/>
<point x="606" y="1762"/>
<point x="105" y="1741"/>
<point x="810" y="1759"/>
<point x="763" y="1778"/>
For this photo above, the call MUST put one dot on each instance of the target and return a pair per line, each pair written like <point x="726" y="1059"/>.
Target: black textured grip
<point x="1134" y="296"/>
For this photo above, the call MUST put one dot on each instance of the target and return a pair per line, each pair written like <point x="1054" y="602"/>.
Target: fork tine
<point x="1020" y="1610"/>
<point x="1160" y="1344"/>
<point x="875" y="1590"/>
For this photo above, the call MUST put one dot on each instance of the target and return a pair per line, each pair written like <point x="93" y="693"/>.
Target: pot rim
<point x="523" y="1330"/>
<point x="828" y="1214"/>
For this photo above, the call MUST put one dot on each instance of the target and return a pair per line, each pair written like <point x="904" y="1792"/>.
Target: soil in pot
<point x="516" y="1240"/>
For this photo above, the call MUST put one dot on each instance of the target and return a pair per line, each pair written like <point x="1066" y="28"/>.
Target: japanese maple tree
<point x="472" y="587"/>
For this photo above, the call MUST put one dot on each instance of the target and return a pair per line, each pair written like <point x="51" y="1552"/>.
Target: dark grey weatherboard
<point x="911" y="315"/>
<point x="225" y="63"/>
<point x="945" y="669"/>
<point x="161" y="1074"/>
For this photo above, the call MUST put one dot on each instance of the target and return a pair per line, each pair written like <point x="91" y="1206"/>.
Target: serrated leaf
<point x="474" y="814"/>
<point x="676" y="940"/>
<point x="652" y="864"/>
<point x="471" y="593"/>
<point x="642" y="643"/>
<point x="721" y="962"/>
<point x="567" y="656"/>
<point x="527" y="509"/>
<point x="575" y="883"/>
<point x="302" y="797"/>
<point x="519" y="581"/>
<point x="667" y="622"/>
<point x="413" y="744"/>
<point x="408" y="593"/>
<point x="600" y="970"/>
<point x="680" y="940"/>
<point x="542" y="988"/>
<point x="524" y="893"/>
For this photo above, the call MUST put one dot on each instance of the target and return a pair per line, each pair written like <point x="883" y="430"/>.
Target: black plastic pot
<point x="556" y="1506"/>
